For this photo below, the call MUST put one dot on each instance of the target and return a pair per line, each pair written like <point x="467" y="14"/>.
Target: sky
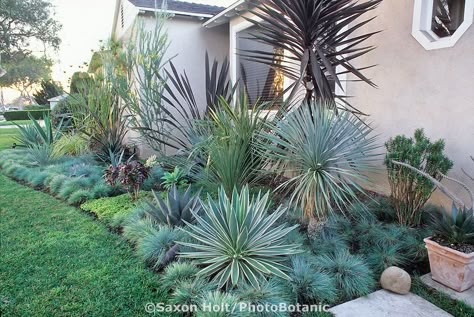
<point x="85" y="23"/>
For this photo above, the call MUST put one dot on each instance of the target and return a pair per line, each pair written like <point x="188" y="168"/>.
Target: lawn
<point x="7" y="137"/>
<point x="58" y="261"/>
<point x="12" y="123"/>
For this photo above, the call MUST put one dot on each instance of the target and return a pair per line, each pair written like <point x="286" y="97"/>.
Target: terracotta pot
<point x="450" y="267"/>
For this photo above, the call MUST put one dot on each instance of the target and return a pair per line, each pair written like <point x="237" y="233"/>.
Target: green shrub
<point x="72" y="144"/>
<point x="410" y="190"/>
<point x="235" y="240"/>
<point x="24" y="114"/>
<point x="329" y="154"/>
<point x="111" y="210"/>
<point x="352" y="275"/>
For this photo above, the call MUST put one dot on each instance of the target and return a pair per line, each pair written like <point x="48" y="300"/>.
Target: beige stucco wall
<point x="189" y="41"/>
<point x="433" y="90"/>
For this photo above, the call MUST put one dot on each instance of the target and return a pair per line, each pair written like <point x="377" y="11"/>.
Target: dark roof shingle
<point x="181" y="6"/>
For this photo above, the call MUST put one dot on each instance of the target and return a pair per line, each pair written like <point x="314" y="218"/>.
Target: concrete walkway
<point x="385" y="304"/>
<point x="466" y="296"/>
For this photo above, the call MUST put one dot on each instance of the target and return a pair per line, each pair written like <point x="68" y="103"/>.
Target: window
<point x="122" y="18"/>
<point x="448" y="16"/>
<point x="259" y="81"/>
<point x="441" y="23"/>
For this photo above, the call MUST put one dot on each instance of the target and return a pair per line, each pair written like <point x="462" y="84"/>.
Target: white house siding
<point x="417" y="88"/>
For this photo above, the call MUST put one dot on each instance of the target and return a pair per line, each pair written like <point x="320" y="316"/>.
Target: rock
<point x="396" y="280"/>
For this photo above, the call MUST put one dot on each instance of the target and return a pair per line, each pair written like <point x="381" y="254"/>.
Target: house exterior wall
<point x="419" y="89"/>
<point x="189" y="41"/>
<point x="416" y="89"/>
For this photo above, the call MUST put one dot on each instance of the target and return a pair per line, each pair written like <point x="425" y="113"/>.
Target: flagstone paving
<point x="385" y="304"/>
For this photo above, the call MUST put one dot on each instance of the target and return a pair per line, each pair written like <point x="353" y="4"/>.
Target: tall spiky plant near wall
<point x="320" y="39"/>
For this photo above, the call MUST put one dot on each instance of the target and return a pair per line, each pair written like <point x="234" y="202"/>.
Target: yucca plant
<point x="328" y="156"/>
<point x="320" y="38"/>
<point x="456" y="228"/>
<point x="231" y="144"/>
<point x="236" y="239"/>
<point x="176" y="209"/>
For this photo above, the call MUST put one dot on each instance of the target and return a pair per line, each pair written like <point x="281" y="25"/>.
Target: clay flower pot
<point x="450" y="267"/>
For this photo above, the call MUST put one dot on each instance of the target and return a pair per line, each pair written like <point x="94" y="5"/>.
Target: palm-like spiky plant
<point x="320" y="39"/>
<point x="236" y="239"/>
<point x="327" y="154"/>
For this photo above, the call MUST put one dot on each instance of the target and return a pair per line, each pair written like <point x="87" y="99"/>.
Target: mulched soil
<point x="462" y="247"/>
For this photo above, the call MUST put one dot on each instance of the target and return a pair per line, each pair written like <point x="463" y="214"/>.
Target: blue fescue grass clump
<point x="79" y="197"/>
<point x="39" y="179"/>
<point x="352" y="275"/>
<point x="74" y="179"/>
<point x="309" y="284"/>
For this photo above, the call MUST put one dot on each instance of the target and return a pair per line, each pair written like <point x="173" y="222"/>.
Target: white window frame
<point x="422" y="19"/>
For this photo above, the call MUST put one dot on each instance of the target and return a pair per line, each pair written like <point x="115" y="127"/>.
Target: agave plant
<point x="457" y="228"/>
<point x="177" y="209"/>
<point x="327" y="154"/>
<point x="236" y="240"/>
<point x="320" y="41"/>
<point x="33" y="135"/>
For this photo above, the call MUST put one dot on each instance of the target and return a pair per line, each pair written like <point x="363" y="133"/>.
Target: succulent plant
<point x="175" y="209"/>
<point x="457" y="228"/>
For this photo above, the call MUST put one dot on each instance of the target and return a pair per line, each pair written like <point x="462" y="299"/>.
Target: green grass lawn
<point x="7" y="137"/>
<point x="12" y="123"/>
<point x="57" y="261"/>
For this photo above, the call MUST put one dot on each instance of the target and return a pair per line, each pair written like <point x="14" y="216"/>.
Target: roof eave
<point x="224" y="17"/>
<point x="183" y="13"/>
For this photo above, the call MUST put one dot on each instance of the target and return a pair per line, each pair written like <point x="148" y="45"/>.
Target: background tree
<point x="80" y="82"/>
<point x="24" y="72"/>
<point x="24" y="21"/>
<point x="49" y="89"/>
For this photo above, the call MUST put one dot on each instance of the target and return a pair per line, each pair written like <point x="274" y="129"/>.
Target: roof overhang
<point x="143" y="10"/>
<point x="232" y="11"/>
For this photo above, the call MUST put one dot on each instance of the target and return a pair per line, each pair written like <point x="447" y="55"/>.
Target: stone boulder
<point x="396" y="280"/>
